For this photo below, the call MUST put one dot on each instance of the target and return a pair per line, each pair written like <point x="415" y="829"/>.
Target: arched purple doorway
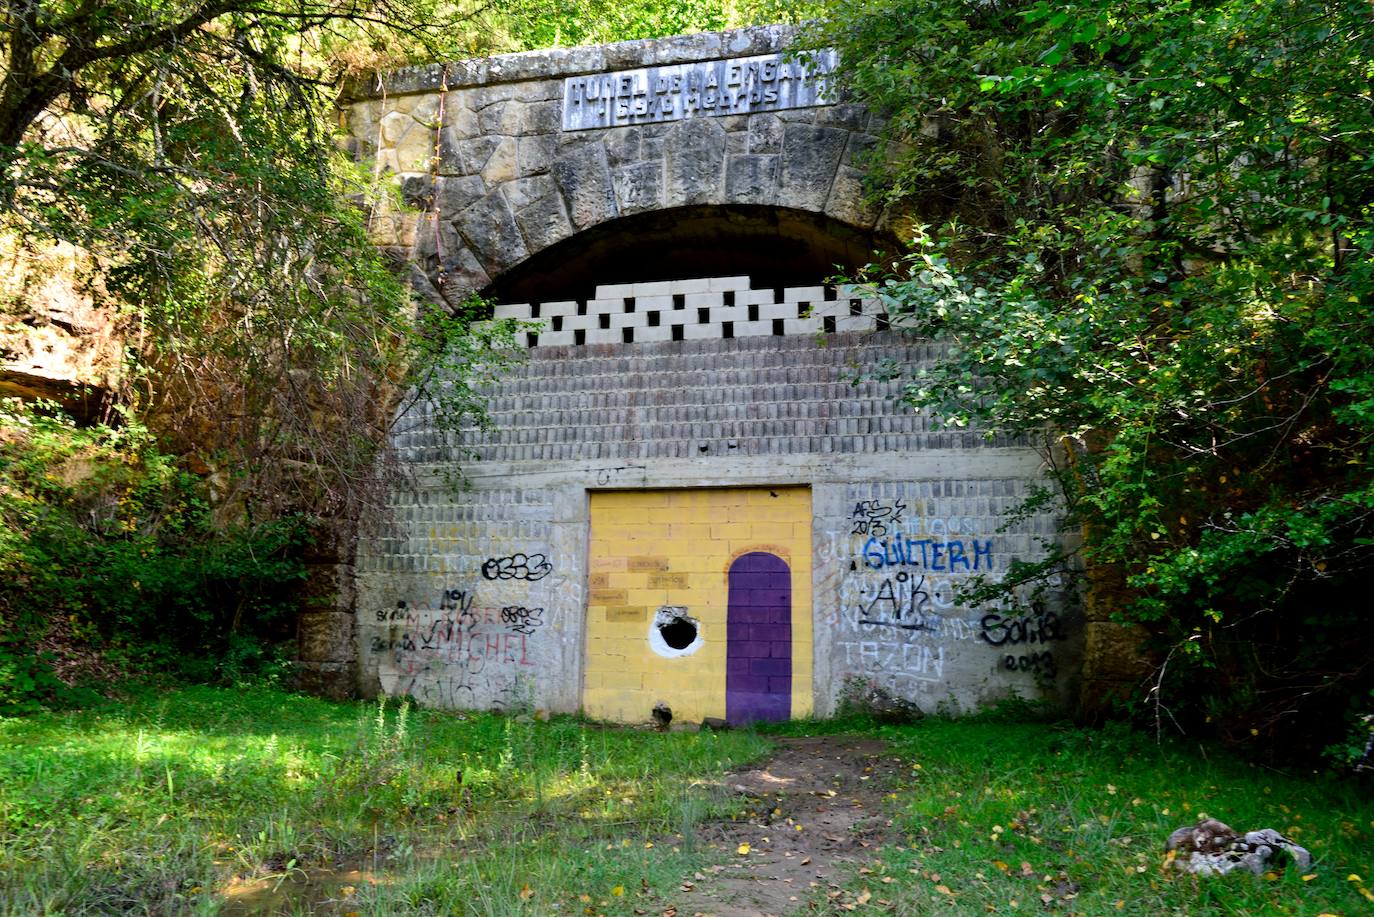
<point x="758" y="639"/>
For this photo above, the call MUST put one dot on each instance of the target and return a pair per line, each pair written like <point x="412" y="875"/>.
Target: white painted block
<point x="754" y="297"/>
<point x="604" y="336"/>
<point x="729" y="283"/>
<point x="730" y="314"/>
<point x="678" y="317"/>
<point x="630" y="320"/>
<point x="804" y="294"/>
<point x="615" y="291"/>
<point x="583" y="322"/>
<point x="854" y="323"/>
<point x="653" y="303"/>
<point x="830" y="308"/>
<point x="519" y="310"/>
<point x="753" y="329"/>
<point x="772" y="310"/>
<point x="653" y="288"/>
<point x="554" y="338"/>
<point x="701" y="332"/>
<point x="700" y="285"/>
<point x="602" y="306"/>
<point x="703" y="300"/>
<point x="661" y="333"/>
<point x="550" y="309"/>
<point x="801" y="325"/>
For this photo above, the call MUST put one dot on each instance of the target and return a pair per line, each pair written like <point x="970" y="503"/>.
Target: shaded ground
<point x="818" y="808"/>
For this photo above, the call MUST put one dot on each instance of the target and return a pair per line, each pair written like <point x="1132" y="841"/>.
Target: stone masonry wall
<point x="489" y="178"/>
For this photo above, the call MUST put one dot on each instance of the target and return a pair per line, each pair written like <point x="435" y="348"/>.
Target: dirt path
<point x="817" y="807"/>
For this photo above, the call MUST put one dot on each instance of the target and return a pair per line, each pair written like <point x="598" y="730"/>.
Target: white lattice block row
<point x="699" y="309"/>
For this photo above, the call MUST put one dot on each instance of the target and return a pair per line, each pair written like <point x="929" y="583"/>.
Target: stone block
<point x="502" y="164"/>
<point x="543" y="118"/>
<point x="809" y="159"/>
<point x="695" y="160"/>
<point x="584" y="177"/>
<point x="491" y="233"/>
<point x="325" y="636"/>
<point x="639" y="187"/>
<point x="535" y="155"/>
<point x="752" y="179"/>
<point x="507" y="118"/>
<point x="525" y="191"/>
<point x="544" y="222"/>
<point x="457" y="193"/>
<point x="1112" y="653"/>
<point x="333" y="680"/>
<point x="622" y="145"/>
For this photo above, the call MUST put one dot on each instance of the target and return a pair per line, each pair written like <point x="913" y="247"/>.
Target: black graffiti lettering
<point x="517" y="566"/>
<point x="396" y="614"/>
<point x="1038" y="663"/>
<point x="522" y="620"/>
<point x="904" y="604"/>
<point x="456" y="600"/>
<point x="874" y="517"/>
<point x="1040" y="627"/>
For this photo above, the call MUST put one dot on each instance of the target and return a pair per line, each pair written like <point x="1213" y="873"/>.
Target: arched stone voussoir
<point x="507" y="175"/>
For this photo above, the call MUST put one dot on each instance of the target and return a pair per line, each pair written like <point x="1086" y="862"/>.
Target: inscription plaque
<point x="738" y="86"/>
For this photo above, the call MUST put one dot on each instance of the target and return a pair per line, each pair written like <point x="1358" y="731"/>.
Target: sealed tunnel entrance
<point x="665" y="577"/>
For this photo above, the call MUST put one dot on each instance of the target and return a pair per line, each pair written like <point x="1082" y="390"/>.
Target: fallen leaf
<point x="526" y="893"/>
<point x="618" y="890"/>
<point x="864" y="897"/>
<point x="806" y="862"/>
<point x="742" y="850"/>
<point x="944" y="890"/>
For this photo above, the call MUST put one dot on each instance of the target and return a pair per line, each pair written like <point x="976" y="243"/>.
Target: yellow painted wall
<point x="674" y="547"/>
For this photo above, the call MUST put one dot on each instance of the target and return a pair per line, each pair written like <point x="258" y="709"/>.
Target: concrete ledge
<point x="557" y="63"/>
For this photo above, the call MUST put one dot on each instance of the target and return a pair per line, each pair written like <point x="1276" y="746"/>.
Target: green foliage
<point x="157" y="803"/>
<point x="1087" y="812"/>
<point x="1147" y="243"/>
<point x="108" y="549"/>
<point x="528" y="24"/>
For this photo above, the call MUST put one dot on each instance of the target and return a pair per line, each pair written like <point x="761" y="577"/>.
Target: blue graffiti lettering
<point x="939" y="556"/>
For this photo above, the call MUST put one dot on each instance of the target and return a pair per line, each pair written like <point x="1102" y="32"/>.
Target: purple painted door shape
<point x="758" y="639"/>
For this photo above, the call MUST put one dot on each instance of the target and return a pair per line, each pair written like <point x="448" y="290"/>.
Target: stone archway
<point x="494" y="178"/>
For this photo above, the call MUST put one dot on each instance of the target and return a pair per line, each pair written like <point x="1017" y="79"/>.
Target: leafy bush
<point x="1148" y="243"/>
<point x="109" y="559"/>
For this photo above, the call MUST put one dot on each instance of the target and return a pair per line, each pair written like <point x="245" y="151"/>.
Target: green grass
<point x="178" y="801"/>
<point x="153" y="806"/>
<point x="1000" y="816"/>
